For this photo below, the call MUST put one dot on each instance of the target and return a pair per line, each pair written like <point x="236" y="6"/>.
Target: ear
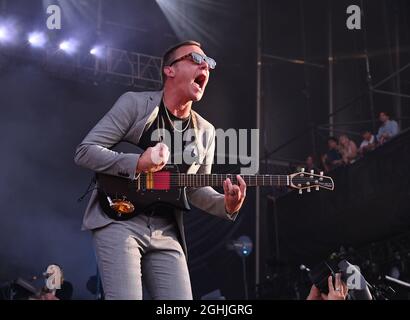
<point x="169" y="71"/>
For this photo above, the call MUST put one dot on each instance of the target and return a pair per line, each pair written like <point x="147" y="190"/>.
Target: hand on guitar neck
<point x="234" y="194"/>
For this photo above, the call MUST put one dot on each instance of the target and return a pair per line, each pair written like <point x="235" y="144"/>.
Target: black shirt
<point x="151" y="136"/>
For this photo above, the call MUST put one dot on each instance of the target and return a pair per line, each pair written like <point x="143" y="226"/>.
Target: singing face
<point x="186" y="76"/>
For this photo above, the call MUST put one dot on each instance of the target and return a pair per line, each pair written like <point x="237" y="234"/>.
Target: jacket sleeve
<point x="94" y="151"/>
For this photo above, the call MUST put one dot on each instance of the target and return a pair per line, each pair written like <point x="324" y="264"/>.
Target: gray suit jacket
<point x="126" y="122"/>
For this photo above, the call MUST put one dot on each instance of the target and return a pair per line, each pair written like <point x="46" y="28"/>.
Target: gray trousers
<point x="143" y="250"/>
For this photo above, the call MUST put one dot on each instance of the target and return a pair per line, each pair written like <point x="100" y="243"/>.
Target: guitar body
<point x="135" y="194"/>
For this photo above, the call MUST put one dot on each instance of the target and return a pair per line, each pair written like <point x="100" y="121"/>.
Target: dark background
<point x="44" y="115"/>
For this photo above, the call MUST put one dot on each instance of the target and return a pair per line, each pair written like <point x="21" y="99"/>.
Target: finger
<point x="236" y="192"/>
<point x="164" y="153"/>
<point x="330" y="284"/>
<point x="242" y="185"/>
<point x="324" y="296"/>
<point x="344" y="289"/>
<point x="225" y="187"/>
<point x="229" y="185"/>
<point x="338" y="282"/>
<point x="314" y="293"/>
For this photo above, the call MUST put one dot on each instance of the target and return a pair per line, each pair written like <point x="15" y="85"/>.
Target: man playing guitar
<point x="151" y="245"/>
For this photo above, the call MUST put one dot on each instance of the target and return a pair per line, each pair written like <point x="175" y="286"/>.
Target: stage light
<point x="64" y="45"/>
<point x="37" y="39"/>
<point x="68" y="46"/>
<point x="8" y="31"/>
<point x="4" y="34"/>
<point x="98" y="51"/>
<point x="243" y="246"/>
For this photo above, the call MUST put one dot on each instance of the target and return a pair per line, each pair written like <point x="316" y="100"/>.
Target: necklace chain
<point x="172" y="123"/>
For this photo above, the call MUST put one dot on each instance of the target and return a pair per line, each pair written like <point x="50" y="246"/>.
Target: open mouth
<point x="200" y="81"/>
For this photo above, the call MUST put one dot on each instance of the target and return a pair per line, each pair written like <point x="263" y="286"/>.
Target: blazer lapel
<point x="152" y="109"/>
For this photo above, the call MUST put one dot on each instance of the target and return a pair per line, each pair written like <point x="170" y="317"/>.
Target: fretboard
<point x="216" y="180"/>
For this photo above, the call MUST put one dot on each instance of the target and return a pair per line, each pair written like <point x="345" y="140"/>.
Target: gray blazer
<point x="126" y="122"/>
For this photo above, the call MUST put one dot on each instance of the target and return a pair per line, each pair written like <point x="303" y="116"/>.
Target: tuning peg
<point x="312" y="171"/>
<point x="321" y="173"/>
<point x="302" y="170"/>
<point x="317" y="188"/>
<point x="308" y="190"/>
<point x="300" y="191"/>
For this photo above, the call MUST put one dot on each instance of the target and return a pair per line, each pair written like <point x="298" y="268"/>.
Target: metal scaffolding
<point x="117" y="66"/>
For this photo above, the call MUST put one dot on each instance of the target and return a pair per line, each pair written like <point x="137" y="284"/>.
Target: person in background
<point x="332" y="159"/>
<point x="388" y="129"/>
<point x="368" y="143"/>
<point x="347" y="149"/>
<point x="310" y="164"/>
<point x="338" y="291"/>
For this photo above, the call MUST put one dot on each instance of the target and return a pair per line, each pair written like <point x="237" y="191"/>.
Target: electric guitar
<point x="123" y="199"/>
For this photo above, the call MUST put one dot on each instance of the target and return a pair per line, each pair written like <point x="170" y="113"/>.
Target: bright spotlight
<point x="37" y="39"/>
<point x="68" y="46"/>
<point x="4" y="34"/>
<point x="8" y="31"/>
<point x="64" y="45"/>
<point x="97" y="51"/>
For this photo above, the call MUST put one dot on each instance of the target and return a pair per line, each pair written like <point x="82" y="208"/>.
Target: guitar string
<point x="195" y="182"/>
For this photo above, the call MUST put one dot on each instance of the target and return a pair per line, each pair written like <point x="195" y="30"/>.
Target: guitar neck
<point x="216" y="180"/>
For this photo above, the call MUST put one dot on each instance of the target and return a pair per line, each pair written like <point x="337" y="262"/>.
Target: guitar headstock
<point x="309" y="180"/>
